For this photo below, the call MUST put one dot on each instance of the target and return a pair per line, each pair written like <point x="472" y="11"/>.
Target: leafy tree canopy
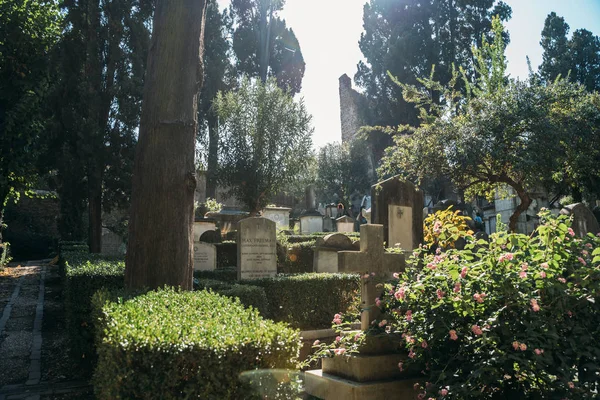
<point x="265" y="137"/>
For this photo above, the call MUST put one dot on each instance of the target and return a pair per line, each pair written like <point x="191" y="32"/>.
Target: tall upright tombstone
<point x="397" y="205"/>
<point x="257" y="248"/>
<point x="584" y="220"/>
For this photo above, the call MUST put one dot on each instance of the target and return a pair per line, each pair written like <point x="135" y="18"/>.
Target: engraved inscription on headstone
<point x="257" y="248"/>
<point x="205" y="256"/>
<point x="400" y="227"/>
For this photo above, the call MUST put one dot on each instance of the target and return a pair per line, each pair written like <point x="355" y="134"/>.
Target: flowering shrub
<point x="510" y="319"/>
<point x="443" y="228"/>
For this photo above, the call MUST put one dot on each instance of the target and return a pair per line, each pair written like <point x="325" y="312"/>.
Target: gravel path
<point x="34" y="362"/>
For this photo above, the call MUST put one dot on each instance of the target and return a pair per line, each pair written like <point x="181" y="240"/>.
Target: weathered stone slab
<point x="205" y="256"/>
<point x="257" y="248"/>
<point x="345" y="224"/>
<point x="202" y="225"/>
<point x="390" y="204"/>
<point x="365" y="368"/>
<point x="279" y="215"/>
<point x="325" y="260"/>
<point x="584" y="220"/>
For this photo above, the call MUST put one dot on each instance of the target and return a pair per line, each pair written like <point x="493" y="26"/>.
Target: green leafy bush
<point x="249" y="295"/>
<point x="83" y="275"/>
<point x="226" y="254"/>
<point x="171" y="345"/>
<point x="307" y="301"/>
<point x="299" y="258"/>
<point x="228" y="274"/>
<point x="4" y="254"/>
<point x="515" y="318"/>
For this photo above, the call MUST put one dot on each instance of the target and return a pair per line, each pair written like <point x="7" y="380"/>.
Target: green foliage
<point x="225" y="274"/>
<point x="343" y="169"/>
<point x="226" y="254"/>
<point x="83" y="275"/>
<point x="213" y="205"/>
<point x="443" y="228"/>
<point x="265" y="135"/>
<point x="248" y="295"/>
<point x="145" y="350"/>
<point x="28" y="33"/>
<point x="299" y="258"/>
<point x="408" y="38"/>
<point x="576" y="59"/>
<point x="307" y="301"/>
<point x="5" y="257"/>
<point x="518" y="316"/>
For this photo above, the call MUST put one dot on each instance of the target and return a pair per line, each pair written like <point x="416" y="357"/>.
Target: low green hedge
<point x="309" y="301"/>
<point x="83" y="275"/>
<point x="299" y="258"/>
<point x="226" y="254"/>
<point x="249" y="295"/>
<point x="171" y="345"/>
<point x="227" y="274"/>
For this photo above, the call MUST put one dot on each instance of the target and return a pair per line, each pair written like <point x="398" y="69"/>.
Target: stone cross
<point x="371" y="258"/>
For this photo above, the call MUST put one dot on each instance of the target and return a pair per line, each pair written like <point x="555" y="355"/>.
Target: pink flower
<point x="584" y="252"/>
<point x="523" y="346"/>
<point x="515" y="345"/>
<point x="337" y="321"/>
<point x="589" y="245"/>
<point x="316" y="343"/>
<point x="339" y="352"/>
<point x="338" y="339"/>
<point x="562" y="280"/>
<point x="396" y="275"/>
<point x="479" y="297"/>
<point x="506" y="257"/>
<point x="523" y="274"/>
<point x="400" y="294"/>
<point x="524" y="266"/>
<point x="544" y="265"/>
<point x="534" y="305"/>
<point x="543" y="274"/>
<point x="440" y="294"/>
<point x="476" y="330"/>
<point x="411" y="354"/>
<point x="431" y="266"/>
<point x="378" y="302"/>
<point x="372" y="273"/>
<point x="453" y="335"/>
<point x="424" y="344"/>
<point x="444" y="392"/>
<point x="383" y="323"/>
<point x="457" y="287"/>
<point x="366" y="276"/>
<point x="357" y="336"/>
<point x="400" y="366"/>
<point x="581" y="260"/>
<point x="571" y="385"/>
<point x="421" y="396"/>
<point x="538" y="351"/>
<point x="571" y="232"/>
<point x="409" y="315"/>
<point x="463" y="272"/>
<point x="409" y="339"/>
<point x="569" y="313"/>
<point x="437" y="227"/>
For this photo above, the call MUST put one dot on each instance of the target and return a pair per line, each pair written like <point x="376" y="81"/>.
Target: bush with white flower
<point x="515" y="318"/>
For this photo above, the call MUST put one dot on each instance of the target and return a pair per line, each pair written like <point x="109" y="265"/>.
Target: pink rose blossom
<point x="453" y="335"/>
<point x="463" y="272"/>
<point x="444" y="392"/>
<point x="523" y="346"/>
<point x="562" y="280"/>
<point x="589" y="245"/>
<point x="534" y="305"/>
<point x="383" y="323"/>
<point x="584" y="252"/>
<point x="571" y="385"/>
<point x="424" y="344"/>
<point x="339" y="352"/>
<point x="476" y="330"/>
<point x="337" y="321"/>
<point x="506" y="257"/>
<point x="357" y="336"/>
<point x="400" y="294"/>
<point x="479" y="297"/>
<point x="316" y="343"/>
<point x="539" y="352"/>
<point x="523" y="274"/>
<point x="457" y="287"/>
<point x="524" y="266"/>
<point x="409" y="315"/>
<point x="440" y="294"/>
<point x="581" y="260"/>
<point x="411" y="354"/>
<point x="544" y="265"/>
<point x="431" y="266"/>
<point x="571" y="232"/>
<point x="378" y="302"/>
<point x="338" y="339"/>
<point x="396" y="275"/>
<point x="543" y="274"/>
<point x="409" y="340"/>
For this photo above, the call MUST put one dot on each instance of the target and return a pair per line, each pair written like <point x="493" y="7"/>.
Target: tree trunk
<point x="213" y="160"/>
<point x="95" y="207"/>
<point x="3" y="198"/>
<point x="159" y="250"/>
<point x="521" y="208"/>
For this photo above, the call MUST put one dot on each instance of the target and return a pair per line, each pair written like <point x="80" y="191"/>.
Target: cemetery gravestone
<point x="205" y="256"/>
<point x="211" y="237"/>
<point x="398" y="205"/>
<point x="202" y="225"/>
<point x="584" y="221"/>
<point x="279" y="215"/>
<point x="257" y="248"/>
<point x="326" y="253"/>
<point x="345" y="224"/>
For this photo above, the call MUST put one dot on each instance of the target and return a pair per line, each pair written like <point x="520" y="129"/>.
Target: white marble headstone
<point x="257" y="248"/>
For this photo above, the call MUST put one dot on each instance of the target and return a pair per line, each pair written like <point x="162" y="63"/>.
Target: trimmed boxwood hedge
<point x="299" y="258"/>
<point x="83" y="275"/>
<point x="249" y="295"/>
<point x="309" y="301"/>
<point x="168" y="344"/>
<point x="228" y="274"/>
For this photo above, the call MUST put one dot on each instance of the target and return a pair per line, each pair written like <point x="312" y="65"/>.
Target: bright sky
<point x="329" y="30"/>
